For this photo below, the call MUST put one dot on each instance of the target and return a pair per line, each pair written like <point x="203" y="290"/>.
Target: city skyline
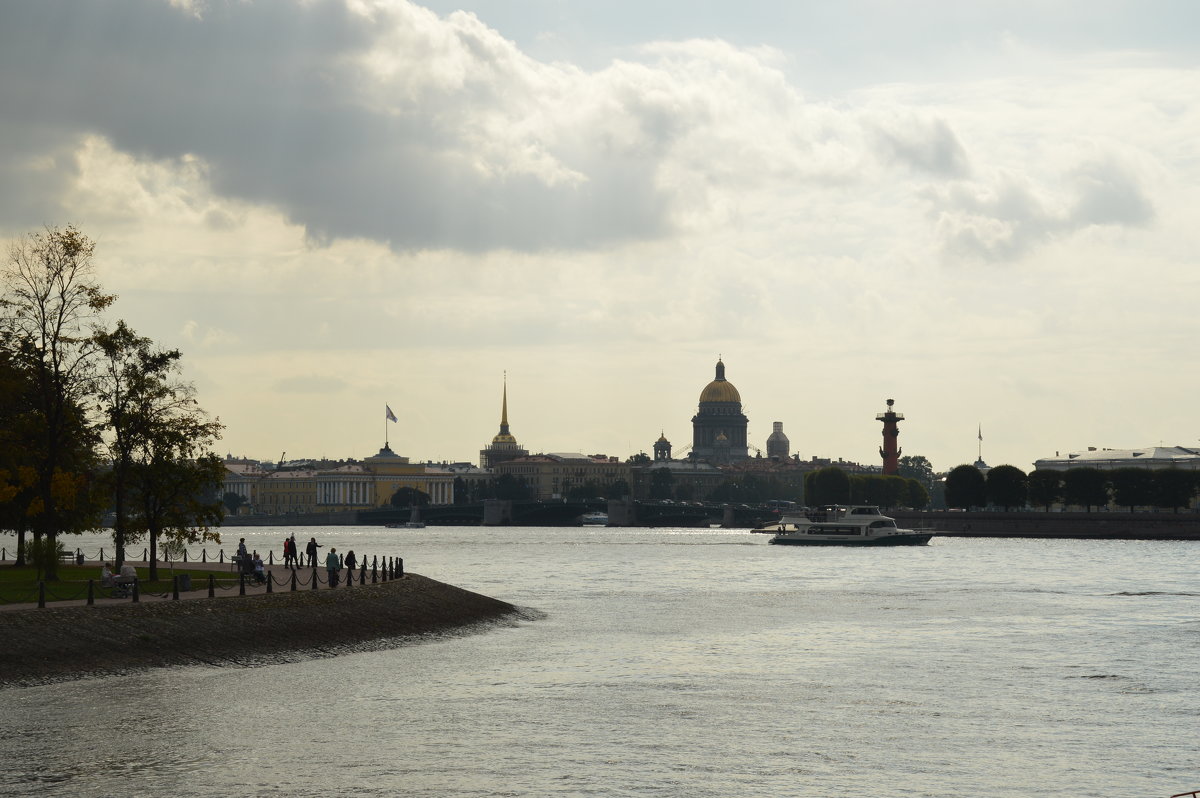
<point x="982" y="212"/>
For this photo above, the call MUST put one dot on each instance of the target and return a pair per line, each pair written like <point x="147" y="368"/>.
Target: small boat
<point x="595" y="519"/>
<point x="407" y="525"/>
<point x="835" y="525"/>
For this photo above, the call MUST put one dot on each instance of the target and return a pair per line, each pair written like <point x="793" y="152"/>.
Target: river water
<point x="680" y="663"/>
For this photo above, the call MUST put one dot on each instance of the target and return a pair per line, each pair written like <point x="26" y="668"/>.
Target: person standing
<point x="295" y="551"/>
<point x="332" y="566"/>
<point x="351" y="562"/>
<point x="311" y="551"/>
<point x="287" y="554"/>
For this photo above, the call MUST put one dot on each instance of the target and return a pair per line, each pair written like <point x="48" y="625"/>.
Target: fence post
<point x="362" y="575"/>
<point x="101" y="555"/>
<point x="91" y="592"/>
<point x="185" y="555"/>
<point x="137" y="595"/>
<point x="375" y="569"/>
<point x="3" y="554"/>
<point x="383" y="571"/>
<point x="241" y="584"/>
<point x="222" y="556"/>
<point x="174" y="587"/>
<point x="212" y="586"/>
<point x="293" y="580"/>
<point x="203" y="555"/>
<point x="270" y="580"/>
<point x="146" y="556"/>
<point x="41" y="595"/>
<point x="399" y="567"/>
<point x="314" y="577"/>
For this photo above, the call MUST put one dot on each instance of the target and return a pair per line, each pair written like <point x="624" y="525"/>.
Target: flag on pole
<point x="390" y="415"/>
<point x="980" y="430"/>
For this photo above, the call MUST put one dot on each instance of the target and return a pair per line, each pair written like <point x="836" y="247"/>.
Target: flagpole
<point x="385" y="430"/>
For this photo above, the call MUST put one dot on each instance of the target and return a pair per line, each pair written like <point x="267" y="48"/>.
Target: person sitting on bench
<point x="259" y="576"/>
<point x="106" y="577"/>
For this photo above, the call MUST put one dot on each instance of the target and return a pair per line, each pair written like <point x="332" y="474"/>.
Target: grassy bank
<point x="20" y="585"/>
<point x="69" y="642"/>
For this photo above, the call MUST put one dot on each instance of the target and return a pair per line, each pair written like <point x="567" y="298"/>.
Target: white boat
<point x="835" y="525"/>
<point x="595" y="519"/>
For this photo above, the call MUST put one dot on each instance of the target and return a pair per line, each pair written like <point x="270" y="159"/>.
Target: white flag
<point x="390" y="415"/>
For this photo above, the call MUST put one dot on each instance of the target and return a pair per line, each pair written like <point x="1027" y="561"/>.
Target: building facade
<point x="552" y="476"/>
<point x="504" y="446"/>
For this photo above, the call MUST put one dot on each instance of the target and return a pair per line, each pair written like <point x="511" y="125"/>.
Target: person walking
<point x="350" y="561"/>
<point x="287" y="554"/>
<point x="291" y="542"/>
<point x="332" y="566"/>
<point x="311" y="551"/>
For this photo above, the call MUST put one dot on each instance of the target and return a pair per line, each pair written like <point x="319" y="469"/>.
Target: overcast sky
<point x="986" y="211"/>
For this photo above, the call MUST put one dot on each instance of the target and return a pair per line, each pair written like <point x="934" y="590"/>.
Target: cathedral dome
<point x="720" y="389"/>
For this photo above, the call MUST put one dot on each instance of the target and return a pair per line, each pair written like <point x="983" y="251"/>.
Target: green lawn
<point x="19" y="585"/>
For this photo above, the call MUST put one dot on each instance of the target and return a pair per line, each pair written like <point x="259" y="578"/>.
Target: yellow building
<point x="373" y="482"/>
<point x="283" y="492"/>
<point x="551" y="476"/>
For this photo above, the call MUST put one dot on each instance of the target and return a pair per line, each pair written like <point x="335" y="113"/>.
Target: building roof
<point x="1148" y="456"/>
<point x="720" y="389"/>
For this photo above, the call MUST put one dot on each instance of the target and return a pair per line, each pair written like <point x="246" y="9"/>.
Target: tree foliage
<point x="827" y="486"/>
<point x="965" y="487"/>
<point x="1174" y="488"/>
<point x="49" y="303"/>
<point x="1085" y="487"/>
<point x="1045" y="487"/>
<point x="1132" y="486"/>
<point x="918" y="468"/>
<point x="1007" y="487"/>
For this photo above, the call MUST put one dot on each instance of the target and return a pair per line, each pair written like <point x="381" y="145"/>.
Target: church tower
<point x="662" y="448"/>
<point x="719" y="428"/>
<point x="504" y="446"/>
<point x="778" y="445"/>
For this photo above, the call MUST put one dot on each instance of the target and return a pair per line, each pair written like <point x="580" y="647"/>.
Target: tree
<point x="232" y="501"/>
<point x="49" y="300"/>
<point x="1007" y="487"/>
<point x="408" y="497"/>
<point x="965" y="487"/>
<point x="662" y="484"/>
<point x="134" y="386"/>
<point x="916" y="495"/>
<point x="1132" y="486"/>
<point x="918" y="468"/>
<point x="617" y="490"/>
<point x="1045" y="487"/>
<point x="1174" y="488"/>
<point x="641" y="458"/>
<point x="827" y="486"/>
<point x="1085" y="487"/>
<point x="175" y="479"/>
<point x="508" y="486"/>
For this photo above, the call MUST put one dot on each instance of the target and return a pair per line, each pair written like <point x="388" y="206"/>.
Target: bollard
<point x="3" y="554"/>
<point x="185" y="555"/>
<point x="383" y="571"/>
<point x="175" y="587"/>
<point x="41" y="595"/>
<point x="146" y="555"/>
<point x="101" y="555"/>
<point x="349" y="577"/>
<point x="362" y="575"/>
<point x="375" y="569"/>
<point x="314" y="577"/>
<point x="212" y="586"/>
<point x="399" y="567"/>
<point x="241" y="584"/>
<point x="293" y="580"/>
<point x="203" y="555"/>
<point x="137" y="595"/>
<point x="270" y="579"/>
<point x="222" y="556"/>
<point x="91" y="592"/>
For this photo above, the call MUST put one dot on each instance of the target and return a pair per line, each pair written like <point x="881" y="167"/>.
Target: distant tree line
<point x="1009" y="487"/>
<point x="94" y="418"/>
<point x="832" y="485"/>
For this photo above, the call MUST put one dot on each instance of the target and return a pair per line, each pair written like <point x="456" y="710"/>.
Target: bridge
<point x="621" y="512"/>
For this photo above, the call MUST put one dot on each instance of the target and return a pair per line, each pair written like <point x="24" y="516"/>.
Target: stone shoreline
<point x="59" y="643"/>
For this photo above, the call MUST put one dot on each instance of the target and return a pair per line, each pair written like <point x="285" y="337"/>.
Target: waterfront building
<point x="678" y="480"/>
<point x="373" y="482"/>
<point x="1150" y="457"/>
<point x="504" y="446"/>
<point x="778" y="445"/>
<point x="719" y="427"/>
<point x="552" y="476"/>
<point x="242" y="477"/>
<point x="285" y="492"/>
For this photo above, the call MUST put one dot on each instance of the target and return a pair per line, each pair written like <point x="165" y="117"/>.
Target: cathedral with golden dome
<point x="719" y="426"/>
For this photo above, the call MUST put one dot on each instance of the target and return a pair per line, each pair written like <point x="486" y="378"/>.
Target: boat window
<point x="882" y="524"/>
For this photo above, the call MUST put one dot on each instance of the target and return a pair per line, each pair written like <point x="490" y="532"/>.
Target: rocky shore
<point x="59" y="643"/>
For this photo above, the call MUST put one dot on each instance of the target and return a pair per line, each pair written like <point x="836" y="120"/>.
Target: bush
<point x="41" y="553"/>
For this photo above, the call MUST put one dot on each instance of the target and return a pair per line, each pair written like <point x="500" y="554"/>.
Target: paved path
<point x="225" y="586"/>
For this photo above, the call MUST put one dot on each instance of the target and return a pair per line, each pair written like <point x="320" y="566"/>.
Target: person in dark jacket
<point x="351" y="563"/>
<point x="311" y="551"/>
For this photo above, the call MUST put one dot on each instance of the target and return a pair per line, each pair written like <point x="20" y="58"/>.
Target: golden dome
<point x="720" y="389"/>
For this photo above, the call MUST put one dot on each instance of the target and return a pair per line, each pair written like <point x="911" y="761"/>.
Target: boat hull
<point x="915" y="539"/>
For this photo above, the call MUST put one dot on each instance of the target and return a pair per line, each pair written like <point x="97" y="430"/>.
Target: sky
<point x="986" y="211"/>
